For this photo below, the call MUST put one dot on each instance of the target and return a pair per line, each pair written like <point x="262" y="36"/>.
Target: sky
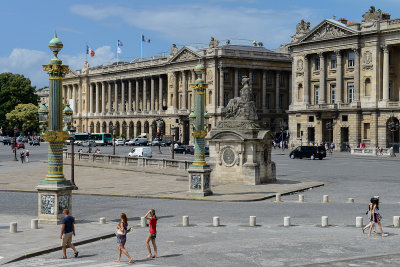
<point x="27" y="26"/>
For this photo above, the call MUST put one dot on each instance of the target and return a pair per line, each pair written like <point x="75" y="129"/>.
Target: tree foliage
<point x="25" y="117"/>
<point x="14" y="89"/>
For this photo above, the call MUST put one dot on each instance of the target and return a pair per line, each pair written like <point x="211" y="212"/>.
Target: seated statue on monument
<point x="242" y="107"/>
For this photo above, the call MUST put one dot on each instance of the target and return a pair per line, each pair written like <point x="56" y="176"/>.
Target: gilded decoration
<point x="55" y="136"/>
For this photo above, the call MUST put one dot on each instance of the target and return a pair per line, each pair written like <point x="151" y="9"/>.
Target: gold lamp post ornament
<point x="199" y="171"/>
<point x="54" y="190"/>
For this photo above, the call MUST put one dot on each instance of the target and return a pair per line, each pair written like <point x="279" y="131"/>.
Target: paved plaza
<point x="232" y="244"/>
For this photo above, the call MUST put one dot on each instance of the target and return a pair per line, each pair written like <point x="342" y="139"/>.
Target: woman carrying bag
<point x="122" y="229"/>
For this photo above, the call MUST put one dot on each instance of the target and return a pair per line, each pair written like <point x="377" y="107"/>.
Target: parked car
<point x="130" y="142"/>
<point x="6" y="140"/>
<point x="141" y="152"/>
<point x="312" y="152"/>
<point x="119" y="142"/>
<point x="34" y="142"/>
<point x="78" y="142"/>
<point x="184" y="149"/>
<point x="87" y="142"/>
<point x="156" y="142"/>
<point x="18" y="146"/>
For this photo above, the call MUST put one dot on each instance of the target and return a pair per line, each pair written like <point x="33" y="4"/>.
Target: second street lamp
<point x="393" y="126"/>
<point x="173" y="140"/>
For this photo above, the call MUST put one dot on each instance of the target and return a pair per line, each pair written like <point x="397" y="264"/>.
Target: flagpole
<point x="86" y="51"/>
<point x="141" y="45"/>
<point x="117" y="52"/>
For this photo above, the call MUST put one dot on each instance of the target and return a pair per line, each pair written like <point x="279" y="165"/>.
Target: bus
<point x="101" y="139"/>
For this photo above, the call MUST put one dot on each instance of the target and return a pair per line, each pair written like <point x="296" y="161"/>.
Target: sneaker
<point x="383" y="235"/>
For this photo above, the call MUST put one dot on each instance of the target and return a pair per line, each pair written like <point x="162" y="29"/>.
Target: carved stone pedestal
<point x="199" y="181"/>
<point x="52" y="200"/>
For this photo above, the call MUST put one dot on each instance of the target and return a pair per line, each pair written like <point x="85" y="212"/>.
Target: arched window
<point x="300" y="92"/>
<point x="367" y="86"/>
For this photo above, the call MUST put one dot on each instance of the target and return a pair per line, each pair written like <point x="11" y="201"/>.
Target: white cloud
<point x="29" y="62"/>
<point x="183" y="24"/>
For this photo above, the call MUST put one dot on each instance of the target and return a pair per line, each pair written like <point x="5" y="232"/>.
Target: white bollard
<point x="324" y="221"/>
<point x="216" y="221"/>
<point x="185" y="221"/>
<point x="142" y="221"/>
<point x="102" y="220"/>
<point x="359" y="222"/>
<point x="350" y="200"/>
<point x="325" y="199"/>
<point x="301" y="198"/>
<point x="13" y="227"/>
<point x="396" y="221"/>
<point x="253" y="221"/>
<point x="278" y="198"/>
<point x="34" y="224"/>
<point x="286" y="221"/>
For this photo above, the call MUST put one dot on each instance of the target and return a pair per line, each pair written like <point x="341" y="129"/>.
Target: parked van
<point x="141" y="152"/>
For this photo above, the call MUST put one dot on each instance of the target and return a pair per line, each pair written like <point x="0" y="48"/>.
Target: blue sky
<point x="27" y="26"/>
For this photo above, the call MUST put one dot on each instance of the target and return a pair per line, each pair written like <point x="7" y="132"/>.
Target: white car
<point x="130" y="142"/>
<point x="141" y="152"/>
<point x="119" y="142"/>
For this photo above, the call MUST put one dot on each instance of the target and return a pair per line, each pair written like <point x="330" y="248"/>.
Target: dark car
<point x="6" y="140"/>
<point x="312" y="152"/>
<point x="34" y="142"/>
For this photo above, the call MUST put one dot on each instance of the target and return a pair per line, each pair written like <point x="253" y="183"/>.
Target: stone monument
<point x="239" y="146"/>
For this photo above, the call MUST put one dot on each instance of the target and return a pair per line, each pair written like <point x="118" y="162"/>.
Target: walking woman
<point x="370" y="217"/>
<point x="151" y="215"/>
<point x="121" y="238"/>
<point x="376" y="217"/>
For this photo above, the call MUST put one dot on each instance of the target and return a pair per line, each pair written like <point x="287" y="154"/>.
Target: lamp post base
<point x="199" y="180"/>
<point x="53" y="198"/>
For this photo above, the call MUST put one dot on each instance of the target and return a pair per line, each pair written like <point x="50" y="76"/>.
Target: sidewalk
<point x="141" y="183"/>
<point x="27" y="243"/>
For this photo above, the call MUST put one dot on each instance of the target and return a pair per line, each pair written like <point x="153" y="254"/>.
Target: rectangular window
<point x="268" y="100"/>
<point x="366" y="131"/>
<point x="226" y="76"/>
<point x="316" y="89"/>
<point x="254" y="78"/>
<point x="345" y="118"/>
<point x="333" y="62"/>
<point x="240" y="76"/>
<point x="390" y="90"/>
<point x="282" y="80"/>
<point x="310" y="118"/>
<point x="298" y="130"/>
<point x="351" y="59"/>
<point x="390" y="57"/>
<point x="268" y="77"/>
<point x="280" y="101"/>
<point x="317" y="63"/>
<point x="350" y="92"/>
<point x="333" y="93"/>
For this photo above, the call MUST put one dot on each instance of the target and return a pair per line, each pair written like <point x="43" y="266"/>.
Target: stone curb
<point x="56" y="248"/>
<point x="180" y="198"/>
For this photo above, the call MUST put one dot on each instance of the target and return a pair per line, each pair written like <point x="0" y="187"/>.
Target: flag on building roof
<point x="119" y="43"/>
<point x="144" y="39"/>
<point x="89" y="51"/>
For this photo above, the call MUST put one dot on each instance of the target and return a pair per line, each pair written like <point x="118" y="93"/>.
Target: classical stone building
<point x="43" y="95"/>
<point x="346" y="81"/>
<point x="132" y="96"/>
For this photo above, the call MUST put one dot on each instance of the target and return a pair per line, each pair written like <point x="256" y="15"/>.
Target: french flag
<point x="90" y="51"/>
<point x="144" y="39"/>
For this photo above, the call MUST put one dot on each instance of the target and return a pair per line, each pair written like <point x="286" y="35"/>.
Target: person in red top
<point x="151" y="215"/>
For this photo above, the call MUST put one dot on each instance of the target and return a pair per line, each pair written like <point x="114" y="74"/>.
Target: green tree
<point x="14" y="89"/>
<point x="25" y="117"/>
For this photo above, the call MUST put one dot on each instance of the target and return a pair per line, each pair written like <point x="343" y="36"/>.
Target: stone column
<point x="236" y="83"/>
<point x="130" y="96"/>
<point x="277" y="85"/>
<point x="160" y="93"/>
<point x="152" y="92"/>
<point x="357" y="74"/>
<point x="109" y="110"/>
<point x="290" y="89"/>
<point x="80" y="98"/>
<point x="176" y="97"/>
<point x="306" y="85"/>
<point x="185" y="90"/>
<point x="137" y="96"/>
<point x="91" y="98"/>
<point x="97" y="98"/>
<point x="74" y="98"/>
<point x="116" y="109"/>
<point x="123" y="109"/>
<point x="322" y="79"/>
<point x="385" y="78"/>
<point x="103" y="98"/>
<point x="264" y="90"/>
<point x="221" y="87"/>
<point x="193" y="81"/>
<point x="339" y="76"/>
<point x="144" y="94"/>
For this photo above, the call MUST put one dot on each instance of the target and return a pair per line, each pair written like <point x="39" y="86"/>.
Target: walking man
<point x="67" y="230"/>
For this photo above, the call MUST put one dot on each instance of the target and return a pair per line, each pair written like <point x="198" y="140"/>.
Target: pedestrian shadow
<point x="87" y="255"/>
<point x="163" y="256"/>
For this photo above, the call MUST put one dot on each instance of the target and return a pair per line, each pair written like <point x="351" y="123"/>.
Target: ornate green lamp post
<point x="199" y="171"/>
<point x="54" y="191"/>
